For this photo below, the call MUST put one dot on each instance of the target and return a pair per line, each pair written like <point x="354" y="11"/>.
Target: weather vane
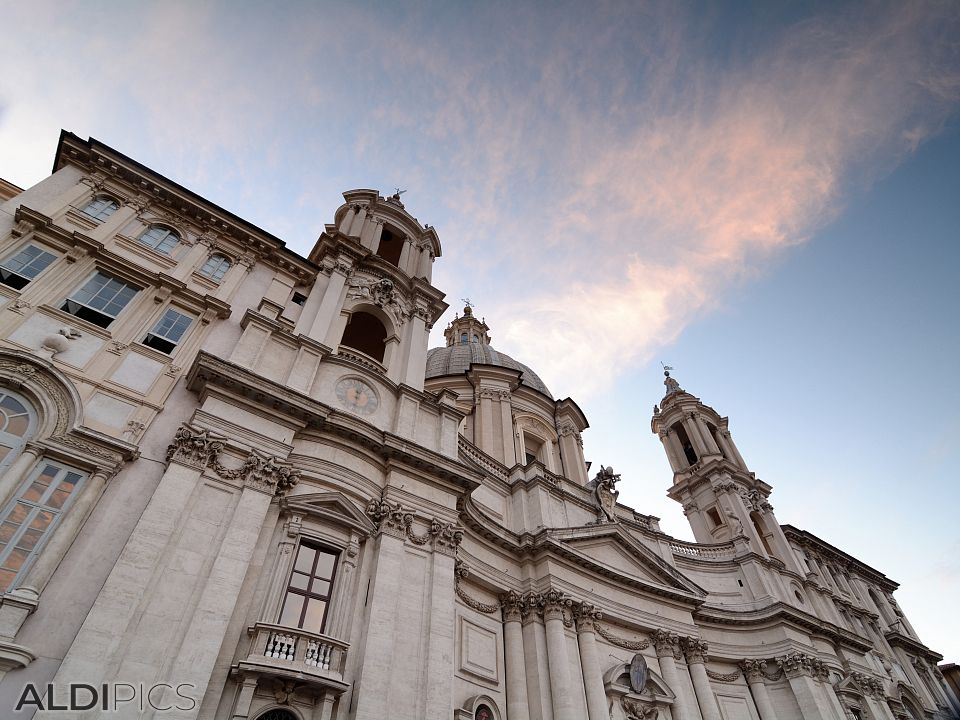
<point x="467" y="302"/>
<point x="397" y="192"/>
<point x="666" y="368"/>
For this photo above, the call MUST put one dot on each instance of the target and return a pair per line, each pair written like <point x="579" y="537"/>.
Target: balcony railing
<point x="297" y="650"/>
<point x="721" y="551"/>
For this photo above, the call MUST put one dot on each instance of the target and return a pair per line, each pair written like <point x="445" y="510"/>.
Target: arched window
<point x="463" y="338"/>
<point x="215" y="267"/>
<point x="100" y="208"/>
<point x="688" y="451"/>
<point x="160" y="238"/>
<point x="18" y="421"/>
<point x="365" y="332"/>
<point x="391" y="245"/>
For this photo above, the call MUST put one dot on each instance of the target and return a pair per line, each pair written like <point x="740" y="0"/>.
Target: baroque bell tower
<point x="721" y="498"/>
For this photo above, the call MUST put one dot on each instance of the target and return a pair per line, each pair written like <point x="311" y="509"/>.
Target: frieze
<point x="493" y="394"/>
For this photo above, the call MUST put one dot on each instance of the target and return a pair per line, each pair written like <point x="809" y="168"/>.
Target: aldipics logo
<point x="109" y="697"/>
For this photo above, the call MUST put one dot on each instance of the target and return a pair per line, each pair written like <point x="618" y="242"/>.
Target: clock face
<point x="356" y="396"/>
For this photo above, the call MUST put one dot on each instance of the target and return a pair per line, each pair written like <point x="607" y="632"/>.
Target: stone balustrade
<point x="298" y="650"/>
<point x="720" y="551"/>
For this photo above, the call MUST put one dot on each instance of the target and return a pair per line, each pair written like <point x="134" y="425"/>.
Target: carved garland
<point x="460" y="572"/>
<point x="393" y="519"/>
<point x="721" y="677"/>
<point x="198" y="448"/>
<point x="621" y="642"/>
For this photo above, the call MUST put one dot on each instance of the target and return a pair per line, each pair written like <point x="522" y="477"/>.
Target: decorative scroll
<point x="621" y="642"/>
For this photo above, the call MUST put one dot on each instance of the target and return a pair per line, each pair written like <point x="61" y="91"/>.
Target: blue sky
<point x="763" y="195"/>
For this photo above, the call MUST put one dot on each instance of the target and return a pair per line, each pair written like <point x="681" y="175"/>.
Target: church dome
<point x="468" y="342"/>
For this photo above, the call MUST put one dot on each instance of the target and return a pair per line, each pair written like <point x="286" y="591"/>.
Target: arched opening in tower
<point x="685" y="443"/>
<point x="365" y="332"/>
<point x="391" y="245"/>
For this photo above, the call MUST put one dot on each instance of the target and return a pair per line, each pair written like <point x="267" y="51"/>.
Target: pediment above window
<point x="330" y="508"/>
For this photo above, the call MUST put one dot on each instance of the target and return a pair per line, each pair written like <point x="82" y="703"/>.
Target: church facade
<point x="235" y="484"/>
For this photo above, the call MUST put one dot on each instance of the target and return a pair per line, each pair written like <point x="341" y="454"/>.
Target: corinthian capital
<point x="586" y="616"/>
<point x="695" y="650"/>
<point x="554" y="604"/>
<point x="512" y="604"/>
<point x="753" y="670"/>
<point x="667" y="643"/>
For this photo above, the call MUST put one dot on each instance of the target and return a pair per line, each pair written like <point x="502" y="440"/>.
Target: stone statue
<point x="606" y="494"/>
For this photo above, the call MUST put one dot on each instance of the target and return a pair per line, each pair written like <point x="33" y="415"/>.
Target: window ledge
<point x="80" y="323"/>
<point x="146" y="252"/>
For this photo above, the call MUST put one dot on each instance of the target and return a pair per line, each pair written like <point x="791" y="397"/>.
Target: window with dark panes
<point x="308" y="592"/>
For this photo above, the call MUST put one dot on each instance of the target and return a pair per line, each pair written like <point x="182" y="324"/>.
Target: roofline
<point x="91" y="143"/>
<point x="787" y="528"/>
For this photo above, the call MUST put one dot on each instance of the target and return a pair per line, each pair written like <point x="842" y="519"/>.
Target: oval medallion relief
<point x="356" y="396"/>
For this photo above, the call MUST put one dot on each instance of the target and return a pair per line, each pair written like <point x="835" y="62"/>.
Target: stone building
<point x="237" y="485"/>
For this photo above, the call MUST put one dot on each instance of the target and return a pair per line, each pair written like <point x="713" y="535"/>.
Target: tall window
<point x="100" y="299"/>
<point x="168" y="332"/>
<point x="17" y="422"/>
<point x="24" y="265"/>
<point x="367" y="334"/>
<point x="308" y="594"/>
<point x="30" y="517"/>
<point x="162" y="239"/>
<point x="100" y="208"/>
<point x="215" y="267"/>
<point x="391" y="245"/>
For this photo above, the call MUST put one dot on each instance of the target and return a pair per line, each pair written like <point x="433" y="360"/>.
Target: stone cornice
<point x="92" y="155"/>
<point x="905" y="641"/>
<point x="823" y="548"/>
<point x="779" y="611"/>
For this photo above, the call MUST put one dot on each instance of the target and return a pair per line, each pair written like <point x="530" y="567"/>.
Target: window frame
<point x="213" y="275"/>
<point x="174" y="344"/>
<point x="36" y="508"/>
<point x="289" y="589"/>
<point x="98" y="311"/>
<point x="17" y="443"/>
<point x="99" y="198"/>
<point x="169" y="232"/>
<point x="18" y="273"/>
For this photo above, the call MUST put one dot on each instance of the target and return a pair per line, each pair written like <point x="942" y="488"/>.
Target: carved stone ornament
<point x="869" y="685"/>
<point x="695" y="650"/>
<point x="797" y="663"/>
<point x="755" y="500"/>
<point x="200" y="449"/>
<point x="460" y="572"/>
<point x="380" y="292"/>
<point x="512" y="604"/>
<point x="606" y="494"/>
<point x="723" y="677"/>
<point x="619" y="641"/>
<point x="667" y="643"/>
<point x="394" y="520"/>
<point x="586" y="616"/>
<point x="638" y="709"/>
<point x="754" y="670"/>
<point x="389" y="517"/>
<point x="19" y="305"/>
<point x="555" y="603"/>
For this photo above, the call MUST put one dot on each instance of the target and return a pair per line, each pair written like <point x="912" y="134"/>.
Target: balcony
<point x="297" y="654"/>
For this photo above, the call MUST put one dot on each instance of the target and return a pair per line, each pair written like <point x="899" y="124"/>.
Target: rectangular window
<point x="168" y="331"/>
<point x="30" y="517"/>
<point x="24" y="265"/>
<point x="100" y="299"/>
<point x="308" y="593"/>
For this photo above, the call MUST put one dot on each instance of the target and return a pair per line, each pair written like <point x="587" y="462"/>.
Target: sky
<point x="764" y="195"/>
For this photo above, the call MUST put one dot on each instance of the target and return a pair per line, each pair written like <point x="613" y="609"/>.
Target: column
<point x="17" y="472"/>
<point x="677" y="450"/>
<point x="442" y="630"/>
<point x="753" y="672"/>
<point x="405" y="255"/>
<point x="733" y="448"/>
<point x="667" y="645"/>
<point x="506" y="431"/>
<point x="378" y="652"/>
<point x="554" y="605"/>
<point x="586" y="616"/>
<point x="535" y="658"/>
<point x="330" y="305"/>
<point x="191" y="261"/>
<point x="813" y="704"/>
<point x="66" y="532"/>
<point x="675" y="461"/>
<point x="518" y="707"/>
<point x="270" y="610"/>
<point x="693" y="432"/>
<point x="348" y="219"/>
<point x="357" y="224"/>
<point x="696" y="651"/>
<point x="425" y="259"/>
